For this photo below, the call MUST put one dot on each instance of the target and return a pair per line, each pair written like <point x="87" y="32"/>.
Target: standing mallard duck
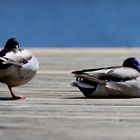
<point x="119" y="81"/>
<point x="17" y="66"/>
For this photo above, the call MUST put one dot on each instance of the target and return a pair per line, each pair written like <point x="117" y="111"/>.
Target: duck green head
<point x="132" y="63"/>
<point x="11" y="44"/>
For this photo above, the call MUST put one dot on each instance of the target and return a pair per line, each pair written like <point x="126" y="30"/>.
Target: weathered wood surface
<point x="53" y="110"/>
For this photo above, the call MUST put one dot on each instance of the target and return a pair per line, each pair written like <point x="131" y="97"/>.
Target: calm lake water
<point x="71" y="23"/>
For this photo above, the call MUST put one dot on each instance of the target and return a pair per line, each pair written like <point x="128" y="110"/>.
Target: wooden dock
<point x="53" y="110"/>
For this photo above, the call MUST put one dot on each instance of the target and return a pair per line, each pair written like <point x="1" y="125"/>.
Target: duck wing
<point x="20" y="56"/>
<point x="4" y="63"/>
<point x="15" y="58"/>
<point x="122" y="74"/>
<point x="103" y="76"/>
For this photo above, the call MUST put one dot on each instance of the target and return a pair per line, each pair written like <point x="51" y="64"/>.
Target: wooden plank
<point x="55" y="110"/>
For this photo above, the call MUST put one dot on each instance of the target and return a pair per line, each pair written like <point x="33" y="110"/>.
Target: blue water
<point x="71" y="23"/>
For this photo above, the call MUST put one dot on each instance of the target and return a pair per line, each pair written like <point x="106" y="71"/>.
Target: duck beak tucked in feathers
<point x="17" y="66"/>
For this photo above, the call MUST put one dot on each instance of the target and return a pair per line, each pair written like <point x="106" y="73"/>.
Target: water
<point x="71" y="23"/>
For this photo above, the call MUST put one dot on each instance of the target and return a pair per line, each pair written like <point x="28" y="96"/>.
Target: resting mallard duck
<point x="17" y="66"/>
<point x="118" y="81"/>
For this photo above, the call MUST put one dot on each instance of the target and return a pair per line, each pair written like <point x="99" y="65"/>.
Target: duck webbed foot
<point x="14" y="97"/>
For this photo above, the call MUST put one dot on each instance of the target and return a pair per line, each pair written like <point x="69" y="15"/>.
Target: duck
<point x="110" y="82"/>
<point x="17" y="66"/>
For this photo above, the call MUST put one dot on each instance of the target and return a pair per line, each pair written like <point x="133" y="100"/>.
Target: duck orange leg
<point x="14" y="97"/>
